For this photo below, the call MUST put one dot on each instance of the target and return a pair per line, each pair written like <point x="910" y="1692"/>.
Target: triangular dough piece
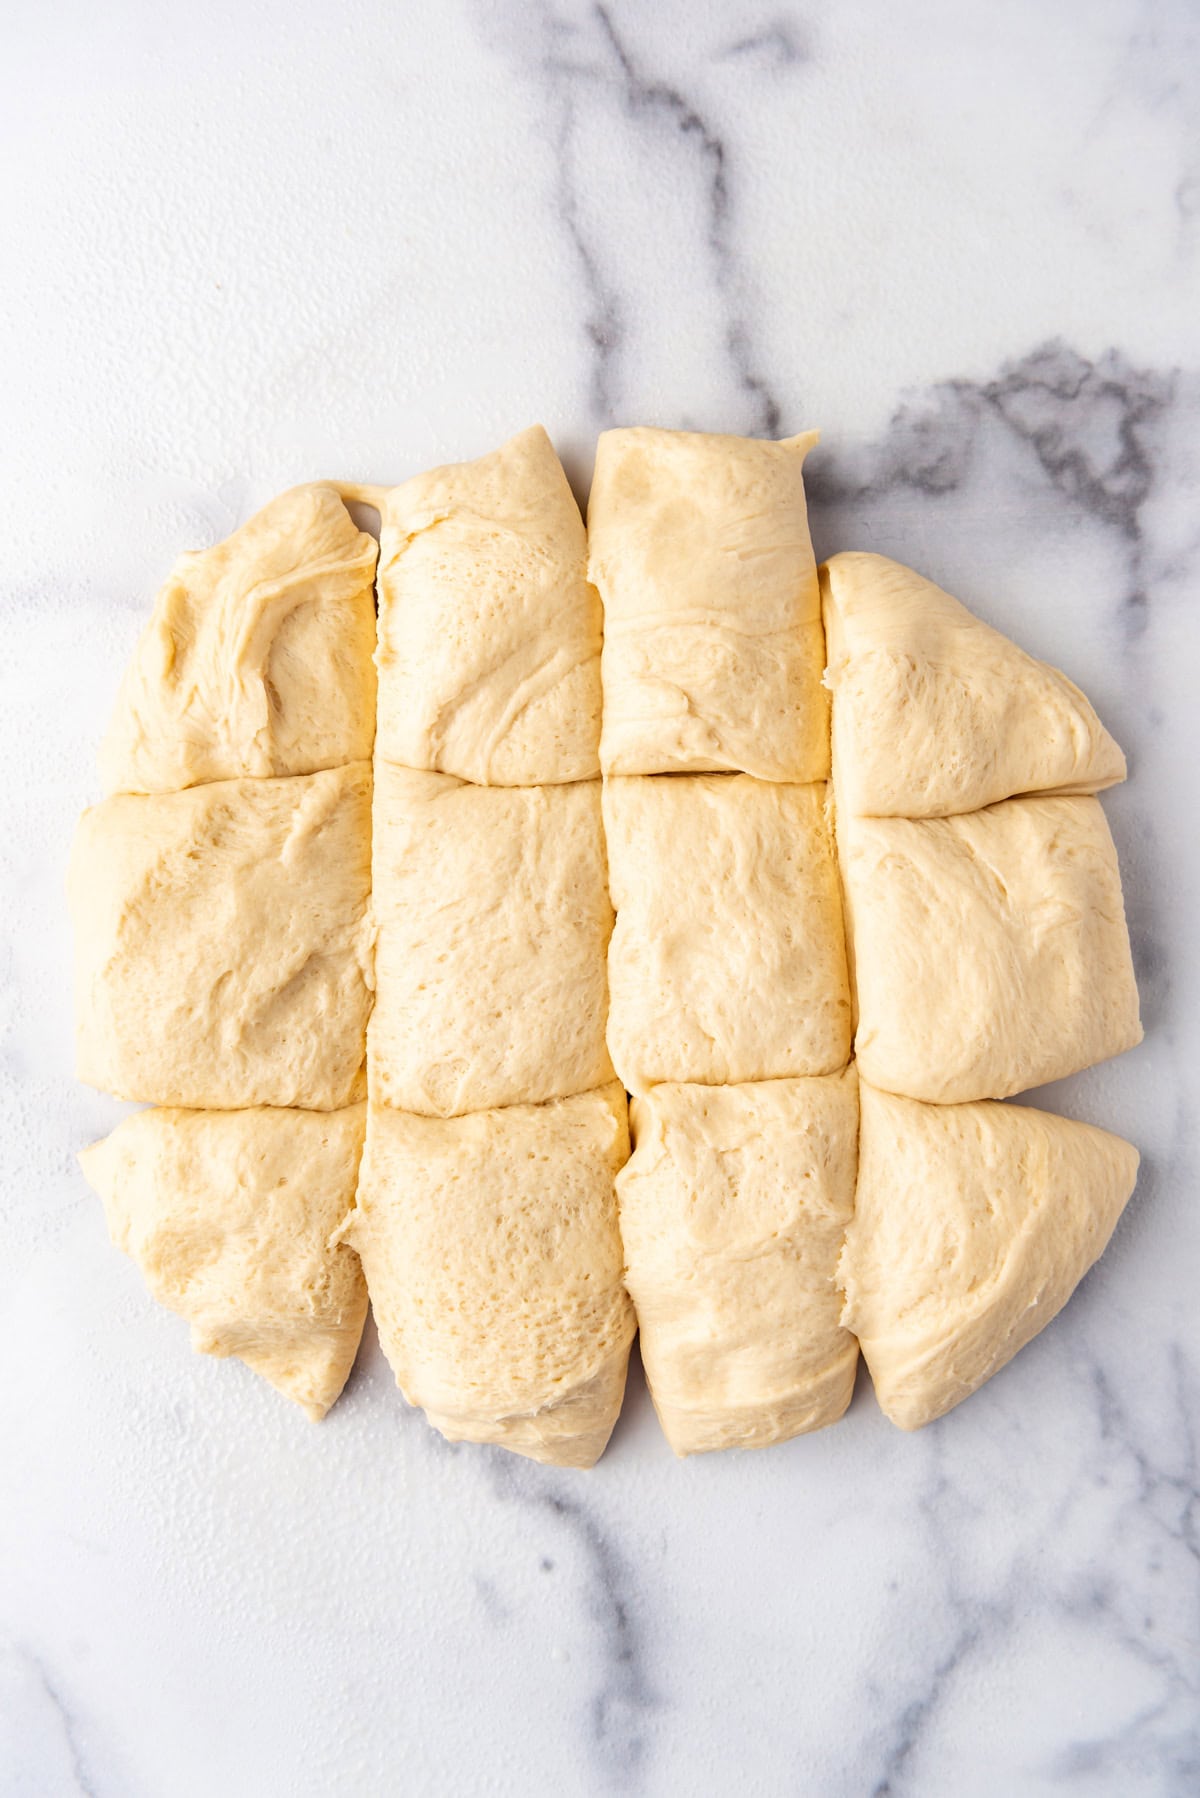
<point x="990" y="951"/>
<point x="489" y="634"/>
<point x="934" y="712"/>
<point x="733" y="1210"/>
<point x="258" y="659"/>
<point x="229" y="1215"/>
<point x="973" y="1225"/>
<point x="493" y="1257"/>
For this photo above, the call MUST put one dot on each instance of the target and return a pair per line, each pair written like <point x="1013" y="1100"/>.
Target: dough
<point x="222" y="948"/>
<point x="229" y="1216"/>
<point x="973" y="1225"/>
<point x="258" y="658"/>
<point x="733" y="1210"/>
<point x="713" y="647"/>
<point x="934" y="712"/>
<point x="493" y="921"/>
<point x="990" y="950"/>
<point x="493" y="1258"/>
<point x="728" y="959"/>
<point x="489" y="634"/>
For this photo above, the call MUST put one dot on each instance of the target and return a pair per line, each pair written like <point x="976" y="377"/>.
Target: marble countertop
<point x="261" y="243"/>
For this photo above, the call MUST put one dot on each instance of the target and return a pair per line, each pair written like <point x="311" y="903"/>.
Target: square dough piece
<point x="973" y="1225"/>
<point x="489" y="634"/>
<point x="493" y="920"/>
<point x="733" y="1210"/>
<point x="222" y="950"/>
<point x="229" y="1216"/>
<point x="728" y="958"/>
<point x="934" y="712"/>
<point x="259" y="658"/>
<point x="990" y="950"/>
<point x="713" y="646"/>
<point x="493" y="1258"/>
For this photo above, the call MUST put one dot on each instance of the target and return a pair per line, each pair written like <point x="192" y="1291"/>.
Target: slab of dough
<point x="733" y="1211"/>
<point x="489" y="634"/>
<point x="258" y="658"/>
<point x="973" y="1225"/>
<point x="934" y="712"/>
<point x="222" y="949"/>
<point x="990" y="950"/>
<point x="713" y="647"/>
<point x="493" y="1258"/>
<point x="229" y="1216"/>
<point x="728" y="959"/>
<point x="493" y="920"/>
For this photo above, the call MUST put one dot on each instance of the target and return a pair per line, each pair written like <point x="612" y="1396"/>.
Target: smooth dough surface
<point x="489" y="634"/>
<point x="973" y="1225"/>
<point x="222" y="944"/>
<point x="728" y="958"/>
<point x="990" y="950"/>
<point x="493" y="1258"/>
<point x="258" y="659"/>
<point x="733" y="1210"/>
<point x="934" y="712"/>
<point x="713" y="646"/>
<point x="229" y="1216"/>
<point x="493" y="920"/>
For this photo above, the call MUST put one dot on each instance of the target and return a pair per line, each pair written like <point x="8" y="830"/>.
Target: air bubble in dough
<point x="229" y="1216"/>
<point x="733" y="1208"/>
<point x="491" y="1249"/>
<point x="973" y="1225"/>
<point x="934" y="712"/>
<point x="990" y="950"/>
<point x="258" y="659"/>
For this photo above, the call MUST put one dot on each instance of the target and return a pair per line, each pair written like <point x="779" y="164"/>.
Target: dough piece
<point x="222" y="950"/>
<point x="489" y="634"/>
<point x="934" y="712"/>
<point x="990" y="950"/>
<point x="258" y="659"/>
<point x="713" y="647"/>
<point x="229" y="1216"/>
<point x="728" y="959"/>
<point x="733" y="1211"/>
<point x="493" y="1258"/>
<point x="493" y="921"/>
<point x="973" y="1225"/>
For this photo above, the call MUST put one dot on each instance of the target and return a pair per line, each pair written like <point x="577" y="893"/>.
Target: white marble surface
<point x="260" y="242"/>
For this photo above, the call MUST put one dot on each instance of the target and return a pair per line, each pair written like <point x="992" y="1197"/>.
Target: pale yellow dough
<point x="222" y="944"/>
<point x="973" y="1225"/>
<point x="489" y="634"/>
<point x="493" y="920"/>
<point x="733" y="1211"/>
<point x="990" y="950"/>
<point x="492" y="1253"/>
<point x="713" y="647"/>
<point x="258" y="658"/>
<point x="934" y="712"/>
<point x="728" y="958"/>
<point x="229" y="1215"/>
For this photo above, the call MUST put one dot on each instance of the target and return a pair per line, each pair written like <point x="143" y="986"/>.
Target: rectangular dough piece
<point x="222" y="945"/>
<point x="713" y="645"/>
<point x="990" y="949"/>
<point x="493" y="1259"/>
<point x="727" y="962"/>
<point x="973" y="1225"/>
<point x="229" y="1215"/>
<point x="493" y="920"/>
<point x="259" y="658"/>
<point x="489" y="634"/>
<point x="733" y="1211"/>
